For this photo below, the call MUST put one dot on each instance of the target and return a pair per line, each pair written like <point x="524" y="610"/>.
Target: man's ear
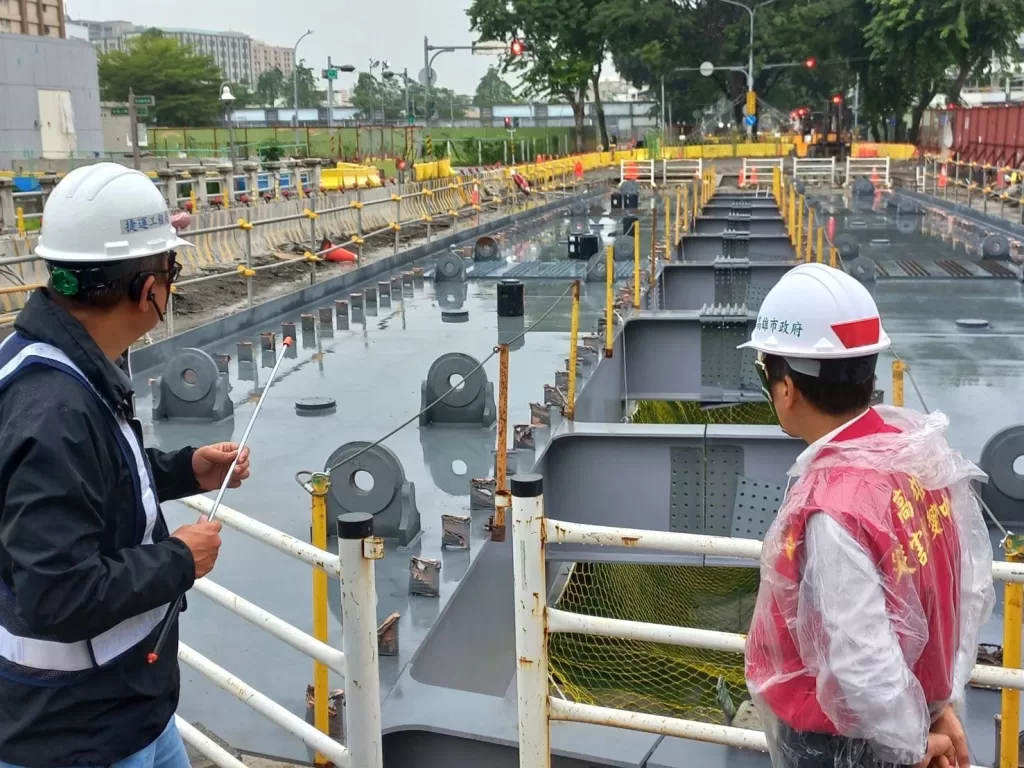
<point x="142" y="300"/>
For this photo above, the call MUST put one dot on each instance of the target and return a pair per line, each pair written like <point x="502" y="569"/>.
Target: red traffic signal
<point x="517" y="48"/>
<point x="508" y="122"/>
<point x="811" y="63"/>
<point x="837" y="99"/>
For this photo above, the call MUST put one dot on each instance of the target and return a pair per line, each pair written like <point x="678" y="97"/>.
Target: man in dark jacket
<point x="87" y="568"/>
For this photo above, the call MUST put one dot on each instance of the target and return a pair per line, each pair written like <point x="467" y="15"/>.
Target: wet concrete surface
<point x="374" y="373"/>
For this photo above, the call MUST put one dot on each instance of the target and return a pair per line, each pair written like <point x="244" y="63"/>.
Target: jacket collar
<point x="868" y="423"/>
<point x="43" y="320"/>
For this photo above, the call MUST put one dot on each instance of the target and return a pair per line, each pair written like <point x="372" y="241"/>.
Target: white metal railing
<point x="878" y="169"/>
<point x="681" y="171"/>
<point x="641" y="171"/>
<point x="815" y="169"/>
<point x="534" y="620"/>
<point x="760" y="170"/>
<point x="354" y="566"/>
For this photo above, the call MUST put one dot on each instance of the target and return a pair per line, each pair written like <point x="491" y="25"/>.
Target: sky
<point x="350" y="31"/>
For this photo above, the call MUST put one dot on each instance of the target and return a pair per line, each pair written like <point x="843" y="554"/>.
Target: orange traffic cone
<point x="743" y="177"/>
<point x="1000" y="178"/>
<point x="943" y="178"/>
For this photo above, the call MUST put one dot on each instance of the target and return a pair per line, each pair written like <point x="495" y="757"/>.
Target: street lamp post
<point x="295" y="83"/>
<point x="404" y="74"/>
<point x="227" y="99"/>
<point x="384" y="71"/>
<point x="750" y="60"/>
<point x="330" y="88"/>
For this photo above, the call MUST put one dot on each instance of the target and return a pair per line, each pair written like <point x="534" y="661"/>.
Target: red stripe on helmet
<point x="859" y="333"/>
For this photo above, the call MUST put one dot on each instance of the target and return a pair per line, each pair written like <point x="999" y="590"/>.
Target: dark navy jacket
<point x="68" y="526"/>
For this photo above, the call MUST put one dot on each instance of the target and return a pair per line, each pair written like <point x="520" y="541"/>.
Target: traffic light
<point x="837" y="99"/>
<point x="508" y="122"/>
<point x="517" y="48"/>
<point x="811" y="63"/>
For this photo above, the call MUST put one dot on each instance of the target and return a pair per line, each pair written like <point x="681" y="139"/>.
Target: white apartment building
<point x="267" y="57"/>
<point x="240" y="58"/>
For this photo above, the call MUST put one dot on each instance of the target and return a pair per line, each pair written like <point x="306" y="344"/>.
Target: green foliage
<point x="309" y="94"/>
<point x="270" y="151"/>
<point x="243" y="96"/>
<point x="186" y="84"/>
<point x="270" y="87"/>
<point x="371" y="93"/>
<point x="493" y="90"/>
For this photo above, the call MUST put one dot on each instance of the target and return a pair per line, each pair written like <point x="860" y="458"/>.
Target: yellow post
<point x="696" y="200"/>
<point x="898" y="369"/>
<point x="833" y="257"/>
<point x="1013" y="596"/>
<point x="680" y="208"/>
<point x="792" y="217"/>
<point x="810" y="234"/>
<point x="574" y="332"/>
<point x="21" y="221"/>
<point x="821" y="245"/>
<point x="502" y="499"/>
<point x="609" y="310"/>
<point x="799" y="225"/>
<point x="668" y="232"/>
<point x="320" y="483"/>
<point x="636" y="262"/>
<point x="777" y="185"/>
<point x="192" y="198"/>
<point x="686" y="208"/>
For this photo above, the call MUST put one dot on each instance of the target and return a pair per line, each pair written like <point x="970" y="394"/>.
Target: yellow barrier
<point x="350" y="176"/>
<point x="779" y="148"/>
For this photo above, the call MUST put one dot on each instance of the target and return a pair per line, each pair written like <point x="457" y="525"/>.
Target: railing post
<point x="247" y="227"/>
<point x="501" y="499"/>
<point x="320" y="483"/>
<point x="398" y="222"/>
<point x="359" y="227"/>
<point x="821" y="245"/>
<point x="609" y="309"/>
<point x="1013" y="596"/>
<point x="798" y="241"/>
<point x="668" y="232"/>
<point x="358" y="548"/>
<point x="636" y="262"/>
<point x="810" y="235"/>
<point x="574" y="333"/>
<point x="898" y="369"/>
<point x="530" y="590"/>
<point x="685" y="194"/>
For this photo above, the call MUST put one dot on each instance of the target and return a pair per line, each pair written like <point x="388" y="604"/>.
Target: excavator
<point x="823" y="134"/>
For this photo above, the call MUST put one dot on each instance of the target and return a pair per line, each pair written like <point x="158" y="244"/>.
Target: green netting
<point x="654" y="678"/>
<point x="666" y="412"/>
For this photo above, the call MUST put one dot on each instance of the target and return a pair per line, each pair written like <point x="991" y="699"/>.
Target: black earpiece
<point x="137" y="284"/>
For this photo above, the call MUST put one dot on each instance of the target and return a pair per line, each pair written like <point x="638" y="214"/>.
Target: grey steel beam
<point x="705" y="248"/>
<point x="724" y="207"/>
<point x="690" y="287"/>
<point x="716" y="225"/>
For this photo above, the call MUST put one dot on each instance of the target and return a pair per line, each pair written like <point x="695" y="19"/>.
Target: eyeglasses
<point x="173" y="270"/>
<point x="762" y="375"/>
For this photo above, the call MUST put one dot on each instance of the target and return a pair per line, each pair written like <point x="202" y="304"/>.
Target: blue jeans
<point x="168" y="751"/>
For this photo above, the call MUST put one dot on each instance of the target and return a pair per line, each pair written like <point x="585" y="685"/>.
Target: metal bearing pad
<point x="864" y="268"/>
<point x="456" y="364"/>
<point x="486" y="249"/>
<point x="623" y="249"/>
<point x="597" y="269"/>
<point x="391" y="500"/>
<point x="191" y="375"/>
<point x="995" y="247"/>
<point x="1004" y="491"/>
<point x="848" y="245"/>
<point x="450" y="267"/>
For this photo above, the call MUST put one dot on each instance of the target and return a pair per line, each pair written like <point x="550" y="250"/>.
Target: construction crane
<point x="823" y="134"/>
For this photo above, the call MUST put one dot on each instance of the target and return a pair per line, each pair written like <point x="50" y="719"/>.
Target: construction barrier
<point x="349" y="176"/>
<point x="898" y="152"/>
<point x="782" y="147"/>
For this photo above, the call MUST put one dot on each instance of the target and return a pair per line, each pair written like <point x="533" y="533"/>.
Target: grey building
<point x="51" y="95"/>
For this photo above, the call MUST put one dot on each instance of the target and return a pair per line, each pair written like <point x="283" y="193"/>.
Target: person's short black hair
<point x="842" y="386"/>
<point x="102" y="285"/>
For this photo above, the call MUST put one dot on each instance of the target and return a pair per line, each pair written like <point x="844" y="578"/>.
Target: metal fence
<point x="535" y="621"/>
<point x="354" y="566"/>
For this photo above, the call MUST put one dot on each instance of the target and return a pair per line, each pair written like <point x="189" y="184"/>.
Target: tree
<point x="309" y="94"/>
<point x="186" y="84"/>
<point x="493" y="90"/>
<point x="243" y="96"/>
<point x="270" y="87"/>
<point x="564" y="47"/>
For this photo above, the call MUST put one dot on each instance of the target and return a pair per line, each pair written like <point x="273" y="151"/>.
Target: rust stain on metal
<point x="630" y="541"/>
<point x="525" y="662"/>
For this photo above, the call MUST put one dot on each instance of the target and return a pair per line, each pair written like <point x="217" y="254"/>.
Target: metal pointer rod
<point x="175" y="608"/>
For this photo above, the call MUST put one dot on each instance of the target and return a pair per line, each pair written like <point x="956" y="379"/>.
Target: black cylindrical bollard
<point x="628" y="223"/>
<point x="511" y="298"/>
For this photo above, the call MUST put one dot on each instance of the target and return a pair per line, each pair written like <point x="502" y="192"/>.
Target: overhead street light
<point x="480" y="47"/>
<point x="330" y="74"/>
<point x="295" y="83"/>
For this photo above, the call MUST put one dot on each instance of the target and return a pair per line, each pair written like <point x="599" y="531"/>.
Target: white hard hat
<point x="816" y="312"/>
<point x="105" y="213"/>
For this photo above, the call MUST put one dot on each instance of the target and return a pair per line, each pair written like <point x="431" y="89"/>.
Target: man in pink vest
<point x="877" y="574"/>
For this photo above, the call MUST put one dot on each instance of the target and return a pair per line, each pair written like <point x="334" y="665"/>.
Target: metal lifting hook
<point x="175" y="608"/>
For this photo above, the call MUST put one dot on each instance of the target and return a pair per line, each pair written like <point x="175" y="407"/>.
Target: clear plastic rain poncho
<point x="876" y="578"/>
